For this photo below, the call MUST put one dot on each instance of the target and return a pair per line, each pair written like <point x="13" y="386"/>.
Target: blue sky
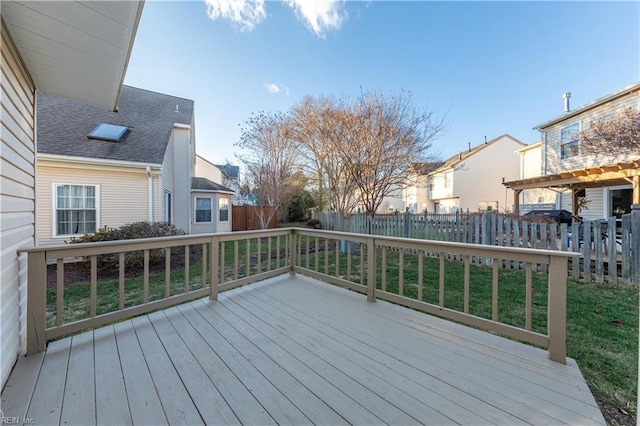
<point x="491" y="67"/>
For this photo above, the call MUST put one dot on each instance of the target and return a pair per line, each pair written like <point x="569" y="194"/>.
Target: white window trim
<point x="560" y="144"/>
<point x="54" y="205"/>
<point x="228" y="210"/>
<point x="195" y="208"/>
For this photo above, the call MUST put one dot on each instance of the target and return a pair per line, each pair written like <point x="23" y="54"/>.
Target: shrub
<point x="133" y="231"/>
<point x="314" y="223"/>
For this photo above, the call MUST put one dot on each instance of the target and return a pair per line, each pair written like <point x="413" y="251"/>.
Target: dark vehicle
<point x="560" y="216"/>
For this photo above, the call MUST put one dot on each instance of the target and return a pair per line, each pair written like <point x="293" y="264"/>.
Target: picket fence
<point x="610" y="248"/>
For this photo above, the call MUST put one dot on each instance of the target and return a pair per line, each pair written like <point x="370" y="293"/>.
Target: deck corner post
<point x="215" y="267"/>
<point x="292" y="251"/>
<point x="36" y="302"/>
<point x="371" y="270"/>
<point x="557" y="306"/>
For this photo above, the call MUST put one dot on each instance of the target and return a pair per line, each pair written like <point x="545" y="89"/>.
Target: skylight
<point x="108" y="132"/>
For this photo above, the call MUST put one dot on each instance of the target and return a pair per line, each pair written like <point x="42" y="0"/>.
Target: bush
<point x="133" y="231"/>
<point x="314" y="223"/>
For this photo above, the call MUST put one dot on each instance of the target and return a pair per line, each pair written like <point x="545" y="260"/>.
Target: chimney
<point x="566" y="97"/>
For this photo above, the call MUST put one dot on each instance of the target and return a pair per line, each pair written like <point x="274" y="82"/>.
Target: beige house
<point x="472" y="180"/>
<point x="530" y="167"/>
<point x="609" y="184"/>
<point x="99" y="168"/>
<point x="34" y="38"/>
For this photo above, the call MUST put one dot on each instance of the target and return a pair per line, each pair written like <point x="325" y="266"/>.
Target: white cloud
<point x="275" y="89"/>
<point x="246" y="14"/>
<point x="272" y="87"/>
<point x="319" y="15"/>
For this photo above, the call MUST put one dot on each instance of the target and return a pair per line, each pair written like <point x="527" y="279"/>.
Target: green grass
<point x="602" y="319"/>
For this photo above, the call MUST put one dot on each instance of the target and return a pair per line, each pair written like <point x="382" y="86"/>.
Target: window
<point x="620" y="202"/>
<point x="224" y="210"/>
<point x="108" y="132"/>
<point x="569" y="145"/>
<point x="76" y="209"/>
<point x="540" y="199"/>
<point x="203" y="210"/>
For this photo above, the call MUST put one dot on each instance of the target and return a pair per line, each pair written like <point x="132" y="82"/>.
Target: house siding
<point x="477" y="179"/>
<point x="555" y="164"/>
<point x="595" y="207"/>
<point x="184" y="168"/>
<point x="167" y="176"/>
<point x="123" y="194"/>
<point x="207" y="170"/>
<point x="17" y="215"/>
<point x="531" y="166"/>
<point x="598" y="205"/>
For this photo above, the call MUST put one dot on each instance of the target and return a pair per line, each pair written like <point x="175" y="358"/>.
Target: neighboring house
<point x="95" y="43"/>
<point x="212" y="206"/>
<point x="530" y="167"/>
<point x="101" y="168"/>
<point x="224" y="174"/>
<point x="415" y="194"/>
<point x="472" y="180"/>
<point x="609" y="184"/>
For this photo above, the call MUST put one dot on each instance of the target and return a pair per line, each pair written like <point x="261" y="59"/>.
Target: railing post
<point x="292" y="252"/>
<point x="371" y="270"/>
<point x="215" y="267"/>
<point x="635" y="243"/>
<point x="557" y="305"/>
<point x="36" y="302"/>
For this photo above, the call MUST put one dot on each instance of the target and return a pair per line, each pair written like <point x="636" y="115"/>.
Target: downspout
<point x="150" y="193"/>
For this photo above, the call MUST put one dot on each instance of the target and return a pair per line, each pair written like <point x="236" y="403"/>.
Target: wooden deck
<point x="292" y="350"/>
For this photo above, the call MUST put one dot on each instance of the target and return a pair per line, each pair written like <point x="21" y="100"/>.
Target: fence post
<point x="371" y="270"/>
<point x="557" y="305"/>
<point x="215" y="267"/>
<point x="36" y="302"/>
<point x="293" y="251"/>
<point x="405" y="232"/>
<point x="635" y="243"/>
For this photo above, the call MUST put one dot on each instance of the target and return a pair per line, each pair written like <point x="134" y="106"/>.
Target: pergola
<point x="575" y="180"/>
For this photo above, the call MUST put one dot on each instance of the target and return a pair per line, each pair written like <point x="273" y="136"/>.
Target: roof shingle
<point x="63" y="126"/>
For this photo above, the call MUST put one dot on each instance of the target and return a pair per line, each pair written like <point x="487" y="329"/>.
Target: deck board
<point x="292" y="350"/>
<point x="79" y="407"/>
<point x="109" y="380"/>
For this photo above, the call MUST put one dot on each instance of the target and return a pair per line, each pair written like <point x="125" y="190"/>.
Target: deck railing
<point x="417" y="274"/>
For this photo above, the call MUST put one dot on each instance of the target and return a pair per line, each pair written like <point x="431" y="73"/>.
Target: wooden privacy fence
<point x="247" y="218"/>
<point x="610" y="248"/>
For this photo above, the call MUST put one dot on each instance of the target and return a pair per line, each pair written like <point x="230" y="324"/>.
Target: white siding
<point x="123" y="193"/>
<point x="167" y="177"/>
<point x="183" y="164"/>
<point x="595" y="207"/>
<point x="531" y="166"/>
<point x="17" y="206"/>
<point x="556" y="165"/>
<point x="479" y="177"/>
<point x="207" y="170"/>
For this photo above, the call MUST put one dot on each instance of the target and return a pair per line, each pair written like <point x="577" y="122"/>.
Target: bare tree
<point x="613" y="136"/>
<point x="320" y="124"/>
<point x="386" y="135"/>
<point x="270" y="160"/>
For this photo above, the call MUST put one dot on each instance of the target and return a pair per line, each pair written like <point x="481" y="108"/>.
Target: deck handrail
<point x="288" y="250"/>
